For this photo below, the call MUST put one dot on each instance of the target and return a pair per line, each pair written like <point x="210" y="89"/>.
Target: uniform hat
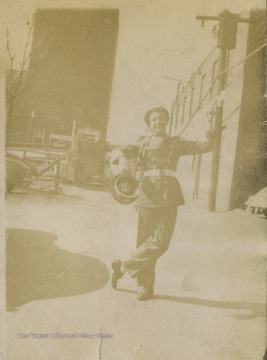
<point x="124" y="189"/>
<point x="159" y="109"/>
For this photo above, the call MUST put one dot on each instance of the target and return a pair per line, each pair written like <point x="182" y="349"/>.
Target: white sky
<point x="156" y="38"/>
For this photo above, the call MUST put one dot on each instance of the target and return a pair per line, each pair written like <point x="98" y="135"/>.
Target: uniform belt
<point x="155" y="172"/>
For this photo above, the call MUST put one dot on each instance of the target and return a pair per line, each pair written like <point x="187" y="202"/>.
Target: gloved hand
<point x="124" y="166"/>
<point x="210" y="117"/>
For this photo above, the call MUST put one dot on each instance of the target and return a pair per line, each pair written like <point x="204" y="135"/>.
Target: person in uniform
<point x="160" y="195"/>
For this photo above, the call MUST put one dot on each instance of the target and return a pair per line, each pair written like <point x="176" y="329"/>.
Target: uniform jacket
<point x="163" y="152"/>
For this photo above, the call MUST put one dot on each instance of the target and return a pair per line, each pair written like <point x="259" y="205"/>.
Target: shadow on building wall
<point x="250" y="170"/>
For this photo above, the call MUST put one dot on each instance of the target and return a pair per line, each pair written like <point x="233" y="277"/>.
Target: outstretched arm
<point x="191" y="147"/>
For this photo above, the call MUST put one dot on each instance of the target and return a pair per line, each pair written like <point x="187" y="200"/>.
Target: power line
<point x="214" y="80"/>
<point x="243" y="60"/>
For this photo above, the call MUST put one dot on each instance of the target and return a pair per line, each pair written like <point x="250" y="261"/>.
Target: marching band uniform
<point x="160" y="195"/>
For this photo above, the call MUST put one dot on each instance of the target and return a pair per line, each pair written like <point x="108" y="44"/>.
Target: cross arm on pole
<point x="204" y="18"/>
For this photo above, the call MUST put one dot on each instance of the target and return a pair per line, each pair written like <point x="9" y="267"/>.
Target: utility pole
<point x="31" y="126"/>
<point x="228" y="23"/>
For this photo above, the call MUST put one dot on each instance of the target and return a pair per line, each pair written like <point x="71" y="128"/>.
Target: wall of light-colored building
<point x="195" y="171"/>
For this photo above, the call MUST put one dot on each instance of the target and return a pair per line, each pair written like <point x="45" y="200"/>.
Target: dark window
<point x="38" y="135"/>
<point x="191" y="101"/>
<point x="202" y="81"/>
<point x="183" y="110"/>
<point x="177" y="115"/>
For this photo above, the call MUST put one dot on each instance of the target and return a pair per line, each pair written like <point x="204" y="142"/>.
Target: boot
<point x="117" y="274"/>
<point x="145" y="293"/>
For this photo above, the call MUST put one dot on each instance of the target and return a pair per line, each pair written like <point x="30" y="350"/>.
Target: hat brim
<point x="126" y="195"/>
<point x="158" y="109"/>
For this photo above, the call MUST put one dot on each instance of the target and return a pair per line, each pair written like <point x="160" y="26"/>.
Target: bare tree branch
<point x="21" y="91"/>
<point x="39" y="46"/>
<point x="8" y="45"/>
<point x="16" y="81"/>
<point x="10" y="54"/>
<point x="24" y="56"/>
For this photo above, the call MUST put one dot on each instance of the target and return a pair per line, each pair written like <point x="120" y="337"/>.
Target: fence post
<point x="57" y="178"/>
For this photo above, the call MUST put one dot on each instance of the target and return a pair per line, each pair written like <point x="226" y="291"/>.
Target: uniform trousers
<point x="155" y="229"/>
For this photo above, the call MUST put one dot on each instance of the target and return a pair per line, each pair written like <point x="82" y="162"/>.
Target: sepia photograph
<point x="133" y="180"/>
